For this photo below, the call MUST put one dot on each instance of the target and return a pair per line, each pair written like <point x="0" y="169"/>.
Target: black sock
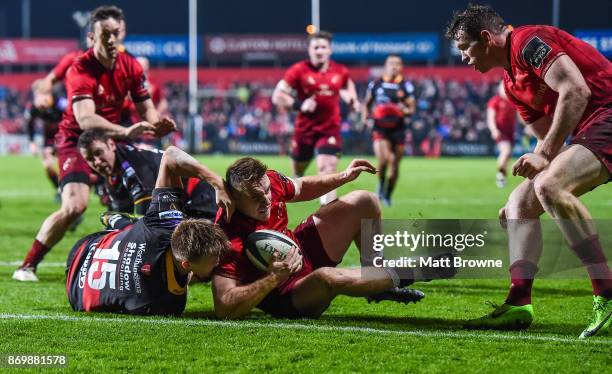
<point x="390" y="186"/>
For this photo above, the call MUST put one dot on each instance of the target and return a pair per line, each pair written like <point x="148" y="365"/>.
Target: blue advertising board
<point x="163" y="48"/>
<point x="368" y="47"/>
<point x="600" y="39"/>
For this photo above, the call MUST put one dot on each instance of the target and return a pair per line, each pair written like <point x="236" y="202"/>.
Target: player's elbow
<point x="584" y="92"/>
<point x="277" y="98"/>
<point x="85" y="121"/>
<point x="226" y="311"/>
<point x="579" y="93"/>
<point x="170" y="156"/>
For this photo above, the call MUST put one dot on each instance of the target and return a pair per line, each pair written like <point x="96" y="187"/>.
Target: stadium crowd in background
<point x="446" y="110"/>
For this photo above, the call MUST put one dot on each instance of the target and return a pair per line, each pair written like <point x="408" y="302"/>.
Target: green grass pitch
<point x="352" y="336"/>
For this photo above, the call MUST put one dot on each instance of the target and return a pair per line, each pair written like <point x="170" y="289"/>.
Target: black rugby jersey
<point x="131" y="270"/>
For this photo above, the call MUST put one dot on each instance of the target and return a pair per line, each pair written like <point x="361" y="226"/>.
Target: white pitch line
<point x="301" y="326"/>
<point x="42" y="264"/>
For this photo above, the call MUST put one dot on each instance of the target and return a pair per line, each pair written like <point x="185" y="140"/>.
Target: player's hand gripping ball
<point x="262" y="245"/>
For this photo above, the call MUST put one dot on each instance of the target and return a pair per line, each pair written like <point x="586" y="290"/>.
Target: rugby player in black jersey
<point x="144" y="267"/>
<point x="130" y="174"/>
<point x="392" y="99"/>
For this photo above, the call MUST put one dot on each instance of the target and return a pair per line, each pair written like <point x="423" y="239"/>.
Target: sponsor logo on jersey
<point x="535" y="52"/>
<point x="171" y="214"/>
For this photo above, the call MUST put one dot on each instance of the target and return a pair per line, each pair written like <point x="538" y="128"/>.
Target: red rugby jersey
<point x="533" y="49"/>
<point x="62" y="66"/>
<point x="236" y="264"/>
<point x="505" y="112"/>
<point x="89" y="79"/>
<point x="307" y="80"/>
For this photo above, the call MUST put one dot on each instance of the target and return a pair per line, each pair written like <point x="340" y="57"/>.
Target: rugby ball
<point x="261" y="245"/>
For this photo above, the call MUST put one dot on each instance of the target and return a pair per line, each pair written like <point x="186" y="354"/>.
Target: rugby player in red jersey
<point x="144" y="267"/>
<point x="393" y="99"/>
<point x="96" y="84"/>
<point x="561" y="86"/>
<point x="313" y="88"/>
<point x="304" y="283"/>
<point x="43" y="89"/>
<point x="501" y="118"/>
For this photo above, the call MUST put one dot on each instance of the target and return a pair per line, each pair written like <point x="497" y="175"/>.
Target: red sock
<point x="591" y="254"/>
<point x="522" y="273"/>
<point x="35" y="255"/>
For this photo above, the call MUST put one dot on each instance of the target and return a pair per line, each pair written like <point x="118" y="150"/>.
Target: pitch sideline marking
<point x="301" y="326"/>
<point x="42" y="264"/>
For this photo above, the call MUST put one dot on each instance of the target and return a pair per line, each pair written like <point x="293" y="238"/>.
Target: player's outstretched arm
<point x="176" y="163"/>
<point x="148" y="112"/>
<point x="85" y="114"/>
<point x="312" y="187"/>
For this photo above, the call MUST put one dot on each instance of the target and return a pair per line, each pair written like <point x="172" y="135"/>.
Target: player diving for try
<point x="561" y="86"/>
<point x="304" y="283"/>
<point x="313" y="88"/>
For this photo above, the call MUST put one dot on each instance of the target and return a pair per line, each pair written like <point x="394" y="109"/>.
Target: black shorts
<point x="395" y="135"/>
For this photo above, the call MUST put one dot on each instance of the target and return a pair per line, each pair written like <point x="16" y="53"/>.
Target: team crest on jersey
<point x="100" y="90"/>
<point x="67" y="163"/>
<point x="535" y="52"/>
<point x="335" y="79"/>
<point x="146" y="269"/>
<point x="280" y="211"/>
<point x="310" y="79"/>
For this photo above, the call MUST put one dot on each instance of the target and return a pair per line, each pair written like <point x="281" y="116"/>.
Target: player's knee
<point x="332" y="279"/>
<point x="368" y="204"/>
<point x="73" y="209"/>
<point x="548" y="190"/>
<point x="522" y="204"/>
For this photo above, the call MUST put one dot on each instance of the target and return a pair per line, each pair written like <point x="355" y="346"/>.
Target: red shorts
<point x="279" y="303"/>
<point x="505" y="136"/>
<point x="49" y="132"/>
<point x="72" y="166"/>
<point x="304" y="147"/>
<point x="597" y="137"/>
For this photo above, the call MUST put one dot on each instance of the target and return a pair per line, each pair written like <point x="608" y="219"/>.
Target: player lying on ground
<point x="143" y="268"/>
<point x="313" y="88"/>
<point x="560" y="86"/>
<point x="501" y="119"/>
<point x="96" y="84"/>
<point x="300" y="285"/>
<point x="393" y="100"/>
<point x="130" y="174"/>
